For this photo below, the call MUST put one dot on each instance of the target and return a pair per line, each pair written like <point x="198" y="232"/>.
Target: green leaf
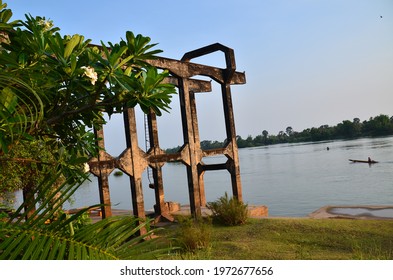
<point x="73" y="60"/>
<point x="8" y="100"/>
<point x="139" y="46"/>
<point x="71" y="44"/>
<point x="78" y="161"/>
<point x="115" y="56"/>
<point x="128" y="71"/>
<point x="114" y="237"/>
<point x="5" y="15"/>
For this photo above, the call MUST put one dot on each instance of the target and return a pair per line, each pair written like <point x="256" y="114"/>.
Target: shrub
<point x="229" y="211"/>
<point x="194" y="234"/>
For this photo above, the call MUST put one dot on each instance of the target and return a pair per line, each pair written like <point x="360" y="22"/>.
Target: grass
<point x="296" y="239"/>
<point x="193" y="235"/>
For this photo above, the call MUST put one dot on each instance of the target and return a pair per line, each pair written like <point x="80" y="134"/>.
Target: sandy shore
<point x="374" y="212"/>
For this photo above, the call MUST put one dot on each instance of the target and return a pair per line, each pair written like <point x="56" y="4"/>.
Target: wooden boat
<point x="363" y="161"/>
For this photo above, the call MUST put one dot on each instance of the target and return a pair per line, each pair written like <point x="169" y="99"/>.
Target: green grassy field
<point x="295" y="239"/>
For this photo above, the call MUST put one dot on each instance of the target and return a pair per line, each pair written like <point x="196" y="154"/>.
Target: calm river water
<point x="291" y="179"/>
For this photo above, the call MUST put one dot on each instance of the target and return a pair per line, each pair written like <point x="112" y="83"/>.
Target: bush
<point x="194" y="234"/>
<point x="229" y="211"/>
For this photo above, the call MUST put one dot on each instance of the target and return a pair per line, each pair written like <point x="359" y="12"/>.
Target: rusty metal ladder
<point x="149" y="171"/>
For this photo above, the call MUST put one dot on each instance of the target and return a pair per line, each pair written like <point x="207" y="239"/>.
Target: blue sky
<point x="307" y="63"/>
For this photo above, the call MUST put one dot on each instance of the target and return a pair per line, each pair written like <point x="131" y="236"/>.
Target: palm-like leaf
<point x="44" y="236"/>
<point x="21" y="109"/>
<point x="106" y="239"/>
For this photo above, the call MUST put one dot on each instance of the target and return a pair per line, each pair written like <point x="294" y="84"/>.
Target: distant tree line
<point x="381" y="125"/>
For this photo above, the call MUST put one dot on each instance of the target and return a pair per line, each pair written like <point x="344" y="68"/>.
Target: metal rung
<point x="147" y="146"/>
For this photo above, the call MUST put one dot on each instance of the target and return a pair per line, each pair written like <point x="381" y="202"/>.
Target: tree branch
<point x="24" y="160"/>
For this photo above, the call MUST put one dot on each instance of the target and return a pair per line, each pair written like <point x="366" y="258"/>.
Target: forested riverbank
<point x="381" y="125"/>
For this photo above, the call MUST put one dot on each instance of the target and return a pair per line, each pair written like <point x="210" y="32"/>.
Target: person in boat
<point x="369" y="160"/>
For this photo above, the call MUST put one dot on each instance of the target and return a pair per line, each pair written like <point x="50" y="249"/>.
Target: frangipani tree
<point x="54" y="90"/>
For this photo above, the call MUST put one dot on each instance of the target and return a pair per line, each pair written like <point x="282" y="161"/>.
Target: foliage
<point x="229" y="211"/>
<point x="194" y="234"/>
<point x="380" y="125"/>
<point x="24" y="167"/>
<point x="118" y="173"/>
<point x="51" y="234"/>
<point x="54" y="89"/>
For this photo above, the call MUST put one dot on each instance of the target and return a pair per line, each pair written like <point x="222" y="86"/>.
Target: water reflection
<point x="291" y="179"/>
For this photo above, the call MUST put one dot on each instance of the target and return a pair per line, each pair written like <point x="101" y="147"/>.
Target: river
<point x="291" y="179"/>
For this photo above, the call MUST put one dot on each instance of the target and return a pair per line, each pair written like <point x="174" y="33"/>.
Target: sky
<point x="307" y="62"/>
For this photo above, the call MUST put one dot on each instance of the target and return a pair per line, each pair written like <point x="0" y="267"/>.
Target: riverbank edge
<point x="326" y="212"/>
<point x="261" y="212"/>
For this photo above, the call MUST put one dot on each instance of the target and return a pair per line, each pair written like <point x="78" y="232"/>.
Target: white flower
<point x="86" y="168"/>
<point x="89" y="72"/>
<point x="46" y="24"/>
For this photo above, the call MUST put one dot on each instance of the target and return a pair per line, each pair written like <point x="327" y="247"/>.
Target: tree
<point x="55" y="89"/>
<point x="265" y="134"/>
<point x="258" y="140"/>
<point x="347" y="129"/>
<point x="357" y="126"/>
<point x="243" y="143"/>
<point x="289" y="131"/>
<point x="282" y="137"/>
<point x="24" y="167"/>
<point x="378" y="126"/>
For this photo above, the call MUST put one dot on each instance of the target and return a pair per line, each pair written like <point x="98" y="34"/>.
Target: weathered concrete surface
<point x="133" y="161"/>
<point x="254" y="211"/>
<point x="361" y="212"/>
<point x="258" y="211"/>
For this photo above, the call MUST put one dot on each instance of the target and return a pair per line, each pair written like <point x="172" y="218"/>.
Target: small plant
<point x="118" y="173"/>
<point x="229" y="211"/>
<point x="194" y="234"/>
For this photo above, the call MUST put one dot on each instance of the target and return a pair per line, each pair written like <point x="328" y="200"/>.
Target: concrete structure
<point x="133" y="161"/>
